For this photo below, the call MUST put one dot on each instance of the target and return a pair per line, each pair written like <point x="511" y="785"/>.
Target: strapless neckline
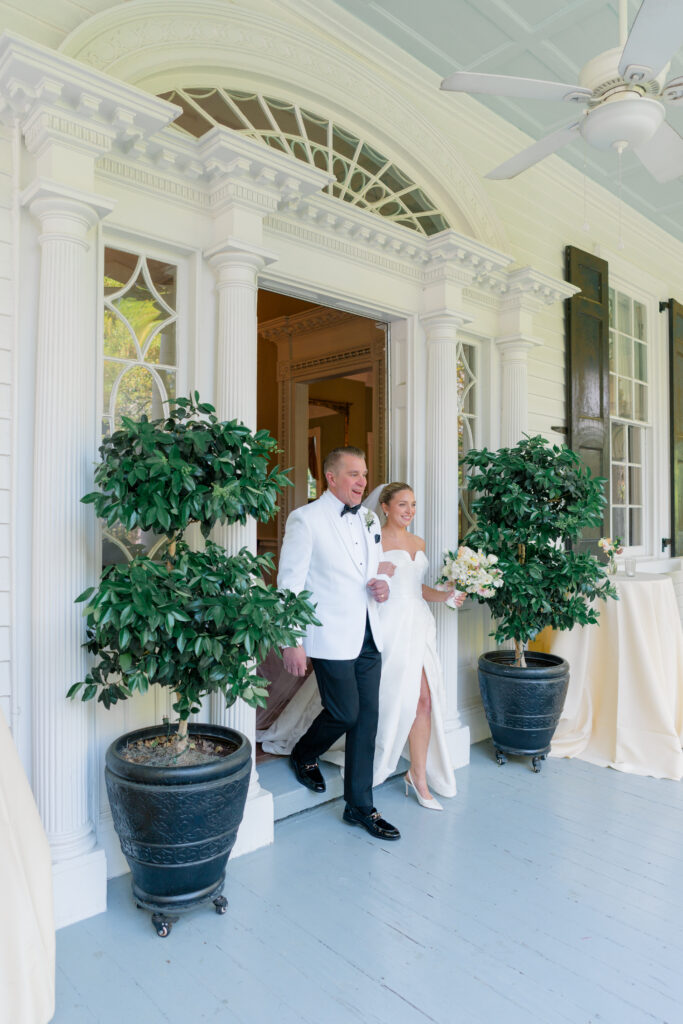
<point x="403" y="551"/>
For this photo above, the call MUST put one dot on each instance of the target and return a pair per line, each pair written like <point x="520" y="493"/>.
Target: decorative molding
<point x="55" y="96"/>
<point x="306" y="322"/>
<point x="534" y="290"/>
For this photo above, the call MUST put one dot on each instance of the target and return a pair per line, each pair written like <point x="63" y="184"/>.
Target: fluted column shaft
<point x="235" y="398"/>
<point x="441" y="458"/>
<point x="64" y="557"/>
<point x="514" y="419"/>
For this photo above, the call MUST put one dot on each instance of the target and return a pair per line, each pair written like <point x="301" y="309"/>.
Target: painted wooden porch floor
<point x="549" y="898"/>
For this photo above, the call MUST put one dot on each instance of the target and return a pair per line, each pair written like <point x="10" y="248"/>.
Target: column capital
<point x="234" y="252"/>
<point x="516" y="346"/>
<point x="442" y="325"/>
<point x="46" y="199"/>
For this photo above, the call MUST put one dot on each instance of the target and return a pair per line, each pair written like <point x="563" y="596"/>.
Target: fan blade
<point x="516" y="88"/>
<point x="530" y="156"/>
<point x="655" y="36"/>
<point x="662" y="156"/>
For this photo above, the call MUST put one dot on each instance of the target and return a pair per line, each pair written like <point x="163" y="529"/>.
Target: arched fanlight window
<point x="363" y="176"/>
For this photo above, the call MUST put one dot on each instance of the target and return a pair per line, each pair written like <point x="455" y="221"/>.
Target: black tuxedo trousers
<point x="349" y="691"/>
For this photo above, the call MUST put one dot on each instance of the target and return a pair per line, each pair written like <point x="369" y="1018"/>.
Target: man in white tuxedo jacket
<point x="332" y="547"/>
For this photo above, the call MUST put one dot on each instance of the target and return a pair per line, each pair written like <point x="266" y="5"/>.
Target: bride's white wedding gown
<point x="409" y="638"/>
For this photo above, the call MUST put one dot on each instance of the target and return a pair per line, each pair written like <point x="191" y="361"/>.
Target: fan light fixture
<point x="624" y="120"/>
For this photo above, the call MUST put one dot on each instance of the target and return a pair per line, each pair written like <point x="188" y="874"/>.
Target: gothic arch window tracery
<point x="363" y="176"/>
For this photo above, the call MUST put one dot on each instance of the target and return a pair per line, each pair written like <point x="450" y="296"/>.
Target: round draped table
<point x="624" y="706"/>
<point x="27" y="934"/>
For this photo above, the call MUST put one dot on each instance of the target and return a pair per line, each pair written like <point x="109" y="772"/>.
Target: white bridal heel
<point x="431" y="805"/>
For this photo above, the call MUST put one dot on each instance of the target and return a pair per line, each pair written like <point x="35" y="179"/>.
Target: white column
<point x="514" y="401"/>
<point x="64" y="544"/>
<point x="236" y="270"/>
<point x="441" y="459"/>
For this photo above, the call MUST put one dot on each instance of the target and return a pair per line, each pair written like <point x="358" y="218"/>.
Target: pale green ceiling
<point x="548" y="39"/>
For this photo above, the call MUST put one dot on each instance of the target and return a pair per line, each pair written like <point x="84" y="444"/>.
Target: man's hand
<point x="294" y="659"/>
<point x="379" y="589"/>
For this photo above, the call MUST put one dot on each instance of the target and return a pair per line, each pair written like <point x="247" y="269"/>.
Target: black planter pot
<point x="523" y="705"/>
<point x="177" y="826"/>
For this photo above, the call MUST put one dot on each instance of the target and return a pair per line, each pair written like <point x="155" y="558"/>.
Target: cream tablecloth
<point x="27" y="934"/>
<point x="624" y="705"/>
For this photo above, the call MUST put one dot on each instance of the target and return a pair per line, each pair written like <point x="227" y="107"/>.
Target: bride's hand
<point x="455" y="597"/>
<point x="386" y="569"/>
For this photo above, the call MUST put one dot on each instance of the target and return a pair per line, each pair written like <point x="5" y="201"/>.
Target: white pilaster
<point x="526" y="292"/>
<point x="514" y="401"/>
<point x="64" y="543"/>
<point x="441" y="457"/>
<point x="236" y="266"/>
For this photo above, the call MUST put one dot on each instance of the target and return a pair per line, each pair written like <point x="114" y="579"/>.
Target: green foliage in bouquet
<point x="198" y="621"/>
<point x="533" y="501"/>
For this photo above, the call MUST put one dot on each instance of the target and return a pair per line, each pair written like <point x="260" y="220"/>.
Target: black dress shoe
<point x="372" y="823"/>
<point x="308" y="774"/>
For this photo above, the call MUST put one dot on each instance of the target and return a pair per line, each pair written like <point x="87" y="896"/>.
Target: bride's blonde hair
<point x="390" y="490"/>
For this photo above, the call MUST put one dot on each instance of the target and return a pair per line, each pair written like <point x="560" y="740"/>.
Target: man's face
<point x="348" y="479"/>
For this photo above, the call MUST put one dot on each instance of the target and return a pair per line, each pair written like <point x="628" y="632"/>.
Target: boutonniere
<point x="369" y="520"/>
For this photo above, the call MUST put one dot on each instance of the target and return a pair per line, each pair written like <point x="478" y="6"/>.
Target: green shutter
<point x="587" y="332"/>
<point x="676" y="418"/>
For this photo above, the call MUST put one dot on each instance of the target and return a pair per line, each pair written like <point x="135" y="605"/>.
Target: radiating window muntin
<point x="629" y="381"/>
<point x="363" y="176"/>
<point x="140" y="364"/>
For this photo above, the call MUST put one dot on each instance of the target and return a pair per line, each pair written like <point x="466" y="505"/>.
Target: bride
<point x="411" y="689"/>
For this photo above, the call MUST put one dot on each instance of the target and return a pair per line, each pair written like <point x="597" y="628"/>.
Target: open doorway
<point x="321" y="384"/>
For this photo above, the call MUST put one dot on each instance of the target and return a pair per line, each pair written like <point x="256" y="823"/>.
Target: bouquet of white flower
<point x="473" y="572"/>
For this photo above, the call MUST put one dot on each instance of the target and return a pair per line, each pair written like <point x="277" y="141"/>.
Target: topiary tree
<point x="198" y="621"/>
<point x="533" y="501"/>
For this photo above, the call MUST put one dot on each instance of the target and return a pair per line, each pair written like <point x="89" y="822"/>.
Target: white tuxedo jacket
<point x="316" y="555"/>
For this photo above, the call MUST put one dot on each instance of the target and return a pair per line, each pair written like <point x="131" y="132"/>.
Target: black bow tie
<point x="349" y="508"/>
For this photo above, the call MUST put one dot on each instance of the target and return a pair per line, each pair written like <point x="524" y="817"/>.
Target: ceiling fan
<point x="623" y="90"/>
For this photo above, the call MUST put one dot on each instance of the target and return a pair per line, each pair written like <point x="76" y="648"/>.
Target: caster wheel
<point x="221" y="904"/>
<point x="535" y="766"/>
<point x="500" y="757"/>
<point x="162" y="925"/>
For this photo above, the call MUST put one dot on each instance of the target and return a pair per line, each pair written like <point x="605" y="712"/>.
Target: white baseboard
<point x="80" y="887"/>
<point x="458" y="741"/>
<point x="475" y="719"/>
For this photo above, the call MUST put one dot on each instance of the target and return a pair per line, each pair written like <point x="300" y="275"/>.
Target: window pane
<point x="635" y="443"/>
<point x="118" y="340"/>
<point x="624" y="321"/>
<point x="640" y="361"/>
<point x="619" y="524"/>
<point x="161" y="348"/>
<point x="625" y="403"/>
<point x="640" y="321"/>
<point x="635" y="526"/>
<point x="612" y="394"/>
<point x="635" y="492"/>
<point x="612" y="352"/>
<point x="136" y="394"/>
<point x="618" y="442"/>
<point x="640" y="404"/>
<point x="618" y="485"/>
<point x="625" y="359"/>
<point x="612" y="318"/>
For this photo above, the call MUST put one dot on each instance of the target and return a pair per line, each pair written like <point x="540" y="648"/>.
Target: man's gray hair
<point x="333" y="458"/>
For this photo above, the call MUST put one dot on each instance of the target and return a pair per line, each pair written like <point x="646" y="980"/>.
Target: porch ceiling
<point x="548" y="39"/>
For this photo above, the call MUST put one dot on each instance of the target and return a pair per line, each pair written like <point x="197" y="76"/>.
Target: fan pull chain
<point x="586" y="226"/>
<point x="620" y="147"/>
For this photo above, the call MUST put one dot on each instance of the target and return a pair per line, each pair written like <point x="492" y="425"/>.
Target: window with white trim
<point x="140" y="365"/>
<point x="467" y="424"/>
<point x="630" y="412"/>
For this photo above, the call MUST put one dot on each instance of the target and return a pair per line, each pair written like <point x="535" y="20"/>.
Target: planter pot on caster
<point x="177" y="825"/>
<point x="523" y="705"/>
